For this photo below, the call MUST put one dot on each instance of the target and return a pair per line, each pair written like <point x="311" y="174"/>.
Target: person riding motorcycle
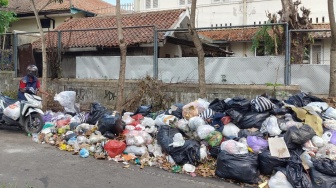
<point x="30" y="82"/>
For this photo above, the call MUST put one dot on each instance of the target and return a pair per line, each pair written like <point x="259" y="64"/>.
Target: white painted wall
<point x="171" y="49"/>
<point x="242" y="49"/>
<point x="231" y="11"/>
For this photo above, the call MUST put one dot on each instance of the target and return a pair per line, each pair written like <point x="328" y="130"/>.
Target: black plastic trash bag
<point x="325" y="166"/>
<point x="295" y="174"/>
<point x="268" y="163"/>
<point x="240" y="167"/>
<point x="321" y="180"/>
<point x="217" y="122"/>
<point x="243" y="133"/>
<point x="112" y="123"/>
<point x="302" y="99"/>
<point x="96" y="112"/>
<point x="239" y="104"/>
<point x="143" y="110"/>
<point x="295" y="137"/>
<point x="177" y="112"/>
<point x="188" y="153"/>
<point x="281" y="111"/>
<point x="234" y="115"/>
<point x="218" y="105"/>
<point x="253" y="119"/>
<point x="109" y="135"/>
<point x="214" y="151"/>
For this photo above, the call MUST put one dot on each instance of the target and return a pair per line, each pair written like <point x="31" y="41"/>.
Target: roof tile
<point x="246" y="34"/>
<point x="24" y="6"/>
<point x="109" y="37"/>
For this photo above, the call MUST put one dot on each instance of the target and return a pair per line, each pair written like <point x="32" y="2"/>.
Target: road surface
<point x="25" y="163"/>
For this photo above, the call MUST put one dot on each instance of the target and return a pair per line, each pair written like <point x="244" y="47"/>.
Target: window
<point x="225" y="1"/>
<point x="184" y="2"/>
<point x="312" y="54"/>
<point x="152" y="4"/>
<point x="316" y="54"/>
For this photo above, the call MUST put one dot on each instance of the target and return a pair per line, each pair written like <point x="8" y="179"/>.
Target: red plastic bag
<point x="226" y="119"/>
<point x="114" y="147"/>
<point x="63" y="122"/>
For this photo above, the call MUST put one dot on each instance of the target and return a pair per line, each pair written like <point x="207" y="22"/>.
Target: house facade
<point x="233" y="12"/>
<point x="97" y="37"/>
<point x="221" y="13"/>
<point x="54" y="14"/>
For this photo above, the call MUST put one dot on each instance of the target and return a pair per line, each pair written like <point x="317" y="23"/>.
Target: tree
<point x="200" y="51"/>
<point x="290" y="14"/>
<point x="332" y="82"/>
<point x="6" y="17"/>
<point x="123" y="51"/>
<point x="43" y="42"/>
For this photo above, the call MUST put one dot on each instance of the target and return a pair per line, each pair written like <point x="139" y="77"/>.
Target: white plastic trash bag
<point x="163" y="119"/>
<point x="204" y="130"/>
<point x="319" y="106"/>
<point x="13" y="111"/>
<point x="138" y="138"/>
<point x="195" y="122"/>
<point x="330" y="124"/>
<point x="331" y="112"/>
<point x="230" y="130"/>
<point x="127" y="118"/>
<point x="155" y="149"/>
<point x="149" y="124"/>
<point x="178" y="140"/>
<point x="182" y="124"/>
<point x="136" y="150"/>
<point x="67" y="100"/>
<point x="234" y="147"/>
<point x="318" y="141"/>
<point x="271" y="126"/>
<point x="279" y="180"/>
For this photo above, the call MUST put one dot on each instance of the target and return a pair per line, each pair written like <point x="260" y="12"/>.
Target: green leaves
<point x="6" y="18"/>
<point x="3" y="3"/>
<point x="264" y="35"/>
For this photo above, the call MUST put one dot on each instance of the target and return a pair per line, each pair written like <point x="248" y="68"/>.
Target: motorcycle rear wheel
<point x="35" y="125"/>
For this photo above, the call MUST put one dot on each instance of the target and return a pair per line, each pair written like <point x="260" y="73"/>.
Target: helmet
<point x="32" y="70"/>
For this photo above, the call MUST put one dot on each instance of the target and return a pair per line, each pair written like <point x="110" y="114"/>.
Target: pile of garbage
<point x="290" y="143"/>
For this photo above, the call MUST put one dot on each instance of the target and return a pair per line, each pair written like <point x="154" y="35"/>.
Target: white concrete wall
<point x="242" y="49"/>
<point x="171" y="49"/>
<point x="231" y="11"/>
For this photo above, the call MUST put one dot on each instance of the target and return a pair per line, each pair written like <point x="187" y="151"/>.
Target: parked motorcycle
<point x="25" y="114"/>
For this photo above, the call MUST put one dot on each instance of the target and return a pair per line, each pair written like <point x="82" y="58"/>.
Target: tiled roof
<point x="24" y="6"/>
<point x="246" y="34"/>
<point x="322" y="34"/>
<point x="109" y="38"/>
<point x="234" y="34"/>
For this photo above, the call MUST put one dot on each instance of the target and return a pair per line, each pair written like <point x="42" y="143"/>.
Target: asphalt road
<point x="24" y="163"/>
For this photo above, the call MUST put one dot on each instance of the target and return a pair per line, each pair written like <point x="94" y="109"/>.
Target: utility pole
<point x="245" y="22"/>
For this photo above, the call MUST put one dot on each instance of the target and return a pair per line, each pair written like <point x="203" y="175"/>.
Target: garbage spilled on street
<point x="263" y="142"/>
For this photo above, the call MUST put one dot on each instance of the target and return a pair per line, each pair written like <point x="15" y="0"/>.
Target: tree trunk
<point x="200" y="51"/>
<point x="44" y="56"/>
<point x="290" y="14"/>
<point x="123" y="51"/>
<point x="332" y="83"/>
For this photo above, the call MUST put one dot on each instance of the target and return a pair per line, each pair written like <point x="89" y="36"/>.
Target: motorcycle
<point x="24" y="114"/>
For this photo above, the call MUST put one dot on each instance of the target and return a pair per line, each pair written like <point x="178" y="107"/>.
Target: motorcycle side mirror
<point x="31" y="90"/>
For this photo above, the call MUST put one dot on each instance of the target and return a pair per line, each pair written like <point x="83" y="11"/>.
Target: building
<point x="225" y="13"/>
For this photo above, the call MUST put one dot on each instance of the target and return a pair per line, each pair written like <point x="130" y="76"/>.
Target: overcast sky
<point x="113" y="2"/>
